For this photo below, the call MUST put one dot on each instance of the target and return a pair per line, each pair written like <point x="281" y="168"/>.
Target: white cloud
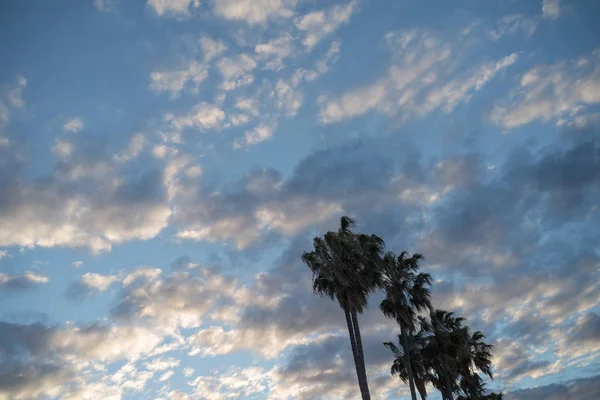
<point x="275" y="51"/>
<point x="106" y="214"/>
<point x="105" y="343"/>
<point x="258" y="134"/>
<point x="160" y="364"/>
<point x="187" y="372"/>
<point x="419" y="82"/>
<point x="203" y="116"/>
<point x="226" y="228"/>
<point x="173" y="7"/>
<point x="76" y="264"/>
<point x="63" y="148"/>
<point x="181" y="299"/>
<point x="459" y="90"/>
<point x="22" y="281"/>
<point x="166" y="376"/>
<point x="354" y="103"/>
<point x="73" y="125"/>
<point x="512" y="24"/>
<point x="319" y="24"/>
<point x="10" y="101"/>
<point x="561" y="92"/>
<point x="288" y="99"/>
<point x="98" y="282"/>
<point x="211" y="48"/>
<point x="248" y="105"/>
<point x="551" y="8"/>
<point x="106" y="5"/>
<point x="254" y="11"/>
<point x="239" y="119"/>
<point x="234" y="383"/>
<point x="135" y="147"/>
<point x="174" y="81"/>
<point x="236" y="71"/>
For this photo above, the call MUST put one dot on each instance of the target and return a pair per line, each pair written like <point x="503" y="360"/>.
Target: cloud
<point x="558" y="92"/>
<point x="11" y="100"/>
<point x="192" y="73"/>
<point x="236" y="71"/>
<point x="160" y="364"/>
<point x="179" y="8"/>
<point x="254" y="11"/>
<point x="26" y="280"/>
<point x="511" y="24"/>
<point x="181" y="299"/>
<point x="76" y="264"/>
<point x="576" y="389"/>
<point x="89" y="283"/>
<point x="42" y="361"/>
<point x="275" y="51"/>
<point x="319" y="24"/>
<point x="256" y="135"/>
<point x="203" y="116"/>
<point x="551" y="8"/>
<point x="106" y="5"/>
<point x="174" y="81"/>
<point x="235" y="382"/>
<point x="73" y="125"/>
<point x="107" y="206"/>
<point x="211" y="48"/>
<point x="417" y="84"/>
<point x="586" y="329"/>
<point x="244" y="214"/>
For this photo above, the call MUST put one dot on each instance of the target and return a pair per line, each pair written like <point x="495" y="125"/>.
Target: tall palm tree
<point x="406" y="294"/>
<point x="345" y="267"/>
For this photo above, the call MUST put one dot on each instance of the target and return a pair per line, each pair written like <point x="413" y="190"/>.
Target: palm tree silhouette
<point x="345" y="268"/>
<point x="446" y="355"/>
<point x="455" y="355"/>
<point x="407" y="293"/>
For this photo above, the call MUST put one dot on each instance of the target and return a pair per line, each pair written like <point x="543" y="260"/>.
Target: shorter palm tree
<point x="447" y="356"/>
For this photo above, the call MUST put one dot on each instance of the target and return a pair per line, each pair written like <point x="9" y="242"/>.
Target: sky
<point x="164" y="164"/>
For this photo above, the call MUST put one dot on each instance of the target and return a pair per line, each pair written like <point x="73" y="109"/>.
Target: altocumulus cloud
<point x="185" y="168"/>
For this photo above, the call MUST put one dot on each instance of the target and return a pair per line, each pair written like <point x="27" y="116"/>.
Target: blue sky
<point x="164" y="164"/>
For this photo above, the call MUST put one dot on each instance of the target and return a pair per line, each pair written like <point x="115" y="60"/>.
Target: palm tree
<point x="407" y="293"/>
<point x="345" y="267"/>
<point x="399" y="367"/>
<point x="455" y="356"/>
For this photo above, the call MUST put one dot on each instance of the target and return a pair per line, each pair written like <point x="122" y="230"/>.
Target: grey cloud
<point x="41" y="361"/>
<point x="587" y="329"/>
<point x="181" y="298"/>
<point x="357" y="177"/>
<point x="22" y="281"/>
<point x="93" y="204"/>
<point x="325" y="368"/>
<point x="579" y="389"/>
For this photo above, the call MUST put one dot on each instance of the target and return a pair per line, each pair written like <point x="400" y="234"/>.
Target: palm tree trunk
<point x="361" y="356"/>
<point x="365" y="395"/>
<point x="411" y="380"/>
<point x="449" y="395"/>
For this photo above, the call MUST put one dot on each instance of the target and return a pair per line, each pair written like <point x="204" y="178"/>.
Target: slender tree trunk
<point x="355" y="355"/>
<point x="449" y="391"/>
<point x="408" y="363"/>
<point x="361" y="355"/>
